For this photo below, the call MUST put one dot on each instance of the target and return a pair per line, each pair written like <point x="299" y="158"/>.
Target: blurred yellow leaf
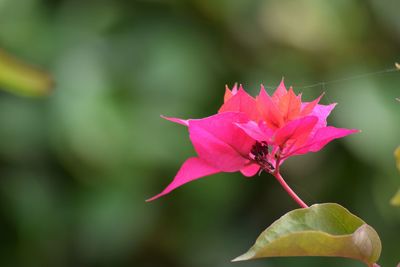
<point x="23" y="79"/>
<point x="395" y="201"/>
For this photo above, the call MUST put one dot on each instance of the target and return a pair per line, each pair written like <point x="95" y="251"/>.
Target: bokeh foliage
<point x="23" y="79"/>
<point x="77" y="166"/>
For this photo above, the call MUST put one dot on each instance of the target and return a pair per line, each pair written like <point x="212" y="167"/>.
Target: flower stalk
<point x="289" y="190"/>
<point x="285" y="186"/>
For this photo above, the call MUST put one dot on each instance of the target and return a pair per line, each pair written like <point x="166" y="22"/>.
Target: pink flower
<point x="252" y="134"/>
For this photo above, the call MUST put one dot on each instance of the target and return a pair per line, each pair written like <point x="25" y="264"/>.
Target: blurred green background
<point x="76" y="166"/>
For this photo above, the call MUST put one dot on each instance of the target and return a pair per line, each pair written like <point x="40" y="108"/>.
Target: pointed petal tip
<point x="149" y="200"/>
<point x="165" y="117"/>
<point x="320" y="97"/>
<point x="153" y="198"/>
<point x="280" y="90"/>
<point x="242" y="92"/>
<point x="176" y="120"/>
<point x="262" y="90"/>
<point x="229" y="93"/>
<point x="234" y="89"/>
<point x="282" y="82"/>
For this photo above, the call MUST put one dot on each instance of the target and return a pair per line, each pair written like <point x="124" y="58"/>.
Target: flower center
<point x="259" y="153"/>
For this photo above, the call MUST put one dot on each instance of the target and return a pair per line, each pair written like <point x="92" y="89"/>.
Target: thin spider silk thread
<point x="323" y="84"/>
<point x="355" y="77"/>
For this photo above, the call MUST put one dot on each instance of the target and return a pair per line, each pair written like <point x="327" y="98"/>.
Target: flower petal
<point x="295" y="131"/>
<point x="308" y="107"/>
<point x="191" y="169"/>
<point x="268" y="110"/>
<point x="279" y="92"/>
<point x="322" y="112"/>
<point x="220" y="142"/>
<point x="176" y="120"/>
<point x="241" y="102"/>
<point x="322" y="137"/>
<point x="256" y="131"/>
<point x="289" y="105"/>
<point x="250" y="170"/>
<point x="229" y="93"/>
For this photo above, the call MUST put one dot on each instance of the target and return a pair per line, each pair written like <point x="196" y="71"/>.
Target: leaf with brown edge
<point x="321" y="230"/>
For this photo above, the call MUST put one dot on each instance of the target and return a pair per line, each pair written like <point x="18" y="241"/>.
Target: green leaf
<point x="321" y="230"/>
<point x="23" y="79"/>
